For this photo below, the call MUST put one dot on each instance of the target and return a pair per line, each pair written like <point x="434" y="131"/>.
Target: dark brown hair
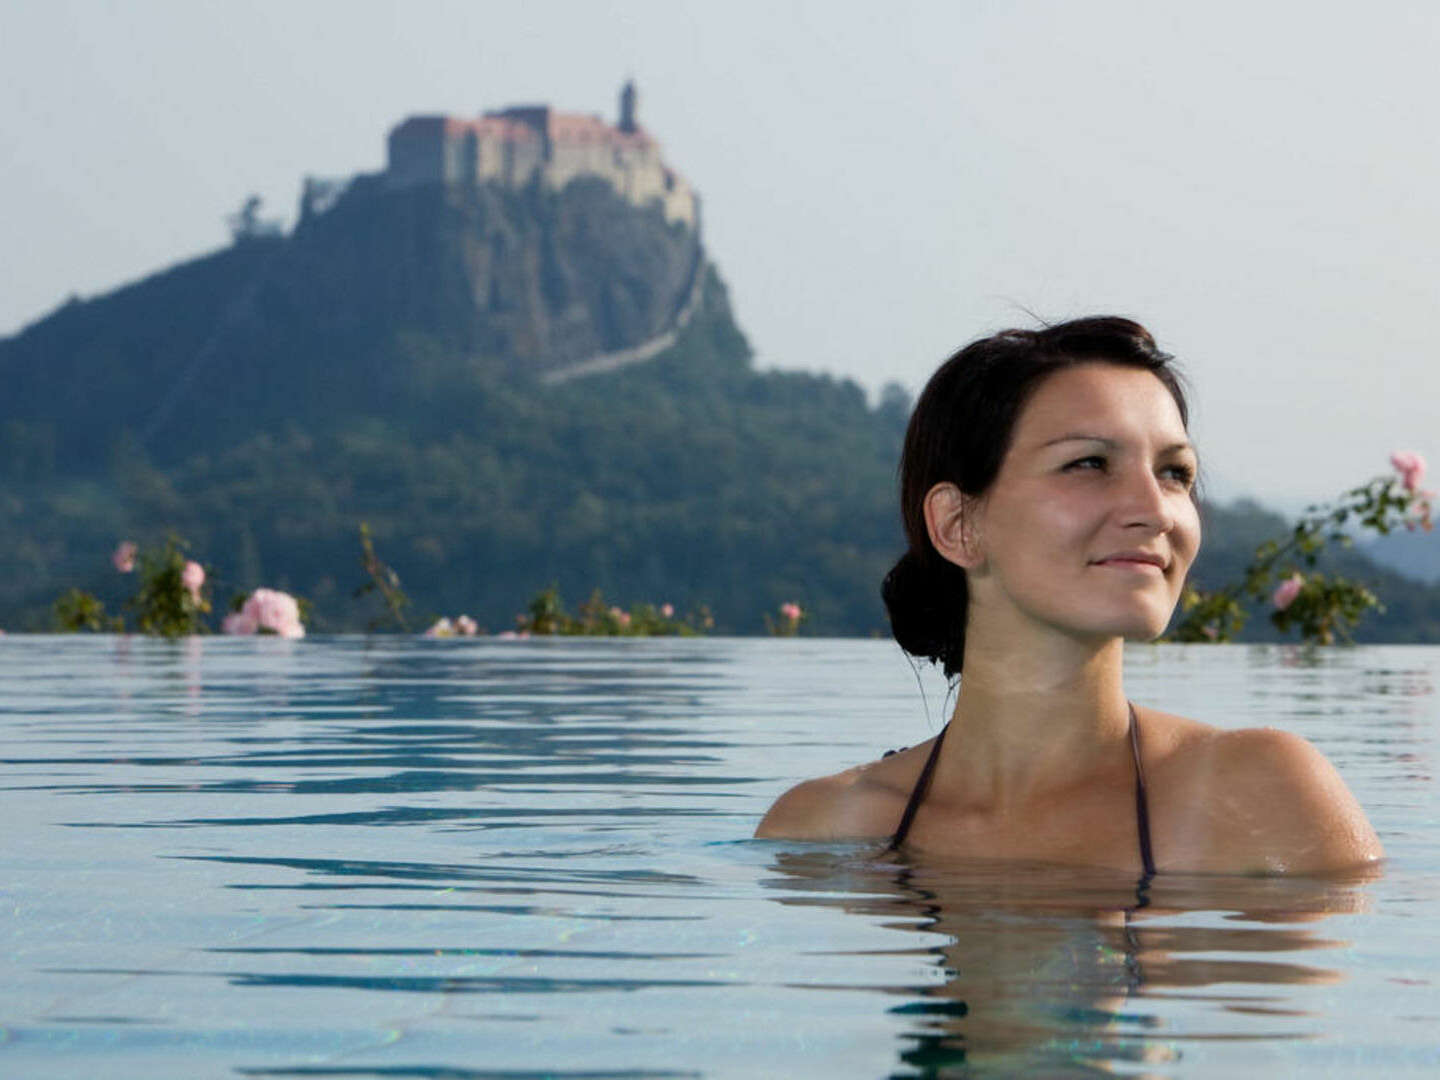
<point x="960" y="431"/>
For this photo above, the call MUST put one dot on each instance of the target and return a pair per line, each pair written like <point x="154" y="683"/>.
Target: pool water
<point x="484" y="859"/>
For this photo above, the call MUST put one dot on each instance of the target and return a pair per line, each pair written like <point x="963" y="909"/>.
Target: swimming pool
<point x="484" y="859"/>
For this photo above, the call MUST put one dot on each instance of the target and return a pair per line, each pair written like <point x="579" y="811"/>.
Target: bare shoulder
<point x="1260" y="800"/>
<point x="859" y="803"/>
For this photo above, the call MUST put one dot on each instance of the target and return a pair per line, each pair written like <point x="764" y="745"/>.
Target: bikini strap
<point x="917" y="794"/>
<point x="1142" y="803"/>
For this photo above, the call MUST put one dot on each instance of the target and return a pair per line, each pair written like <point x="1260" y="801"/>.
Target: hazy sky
<point x="881" y="183"/>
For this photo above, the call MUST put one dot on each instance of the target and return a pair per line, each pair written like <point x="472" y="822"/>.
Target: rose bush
<point x="1324" y="608"/>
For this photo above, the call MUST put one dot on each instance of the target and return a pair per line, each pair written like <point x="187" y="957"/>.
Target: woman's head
<point x="960" y="432"/>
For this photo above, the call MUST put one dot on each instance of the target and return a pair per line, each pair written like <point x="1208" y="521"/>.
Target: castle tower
<point x="627" y="108"/>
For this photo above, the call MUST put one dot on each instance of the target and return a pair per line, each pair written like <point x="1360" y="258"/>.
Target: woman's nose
<point x="1146" y="504"/>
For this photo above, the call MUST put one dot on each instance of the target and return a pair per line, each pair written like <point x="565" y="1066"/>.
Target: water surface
<point x="485" y="859"/>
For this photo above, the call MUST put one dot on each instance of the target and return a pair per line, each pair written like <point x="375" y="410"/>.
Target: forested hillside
<point x="691" y="480"/>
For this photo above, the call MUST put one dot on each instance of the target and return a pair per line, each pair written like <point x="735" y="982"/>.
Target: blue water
<point x="485" y="859"/>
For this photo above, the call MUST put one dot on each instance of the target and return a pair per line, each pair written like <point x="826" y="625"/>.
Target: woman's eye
<point x="1183" y="475"/>
<point x="1094" y="461"/>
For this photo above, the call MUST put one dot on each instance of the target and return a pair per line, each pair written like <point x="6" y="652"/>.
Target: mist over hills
<point x="394" y="360"/>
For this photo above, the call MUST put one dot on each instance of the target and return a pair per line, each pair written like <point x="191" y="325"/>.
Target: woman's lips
<point x="1138" y="562"/>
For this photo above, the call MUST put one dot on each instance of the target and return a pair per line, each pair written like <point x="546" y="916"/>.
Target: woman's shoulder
<point x="1254" y="800"/>
<point x="862" y="802"/>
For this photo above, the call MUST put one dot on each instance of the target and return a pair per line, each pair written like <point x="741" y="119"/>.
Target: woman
<point x="1047" y="489"/>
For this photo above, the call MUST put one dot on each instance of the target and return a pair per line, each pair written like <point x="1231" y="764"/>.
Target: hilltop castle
<point x="524" y="142"/>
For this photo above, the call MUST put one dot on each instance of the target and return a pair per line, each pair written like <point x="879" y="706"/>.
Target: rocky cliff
<point x="306" y="327"/>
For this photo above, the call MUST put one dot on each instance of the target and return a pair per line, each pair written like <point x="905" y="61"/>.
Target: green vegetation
<point x="382" y="580"/>
<point x="170" y="601"/>
<point x="1238" y="535"/>
<point x="78" y="611"/>
<point x="596" y="618"/>
<point x="1323" y="606"/>
<point x="692" y="478"/>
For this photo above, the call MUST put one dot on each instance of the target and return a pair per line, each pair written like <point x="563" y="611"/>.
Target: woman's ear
<point x="949" y="518"/>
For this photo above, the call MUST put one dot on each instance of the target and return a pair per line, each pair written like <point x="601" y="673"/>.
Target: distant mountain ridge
<point x="1415" y="555"/>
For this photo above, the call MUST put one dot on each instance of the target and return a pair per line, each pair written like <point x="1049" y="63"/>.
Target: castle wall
<point x="454" y="158"/>
<point x="514" y="146"/>
<point x="679" y="203"/>
<point x="522" y="161"/>
<point x="570" y="160"/>
<point x="490" y="160"/>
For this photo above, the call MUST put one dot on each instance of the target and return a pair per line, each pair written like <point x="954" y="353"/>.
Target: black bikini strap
<point x="1142" y="803"/>
<point x="917" y="794"/>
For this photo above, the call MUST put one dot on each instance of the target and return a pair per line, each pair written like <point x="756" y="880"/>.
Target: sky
<point x="1257" y="183"/>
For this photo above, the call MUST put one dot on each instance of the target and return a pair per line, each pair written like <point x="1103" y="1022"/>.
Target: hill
<point x="263" y="400"/>
<point x="401" y="359"/>
<point x="372" y="305"/>
<point x="1414" y="555"/>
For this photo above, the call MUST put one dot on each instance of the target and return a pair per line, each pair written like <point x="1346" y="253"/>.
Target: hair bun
<point x="926" y="600"/>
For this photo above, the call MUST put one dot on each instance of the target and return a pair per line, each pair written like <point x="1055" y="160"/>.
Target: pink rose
<point x="276" y="612"/>
<point x="466" y="626"/>
<point x="192" y="577"/>
<point x="667" y="611"/>
<point x="622" y="617"/>
<point x="1411" y="467"/>
<point x="291" y="629"/>
<point x="237" y="622"/>
<point x="124" y="557"/>
<point x="791" y="611"/>
<point x="1288" y="590"/>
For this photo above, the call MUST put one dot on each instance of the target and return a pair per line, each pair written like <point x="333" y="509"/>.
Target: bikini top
<point x="1142" y="807"/>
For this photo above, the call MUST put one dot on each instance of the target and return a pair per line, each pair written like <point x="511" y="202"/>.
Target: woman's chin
<point x="1149" y="629"/>
<point x="1136" y="626"/>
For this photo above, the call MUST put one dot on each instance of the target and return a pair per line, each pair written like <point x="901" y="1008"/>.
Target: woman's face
<point x="1090" y="525"/>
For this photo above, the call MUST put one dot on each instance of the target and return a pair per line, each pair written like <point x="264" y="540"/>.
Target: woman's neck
<point x="1034" y="719"/>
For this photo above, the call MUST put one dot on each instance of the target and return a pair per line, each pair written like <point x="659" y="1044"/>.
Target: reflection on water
<point x="393" y="858"/>
<point x="1063" y="971"/>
